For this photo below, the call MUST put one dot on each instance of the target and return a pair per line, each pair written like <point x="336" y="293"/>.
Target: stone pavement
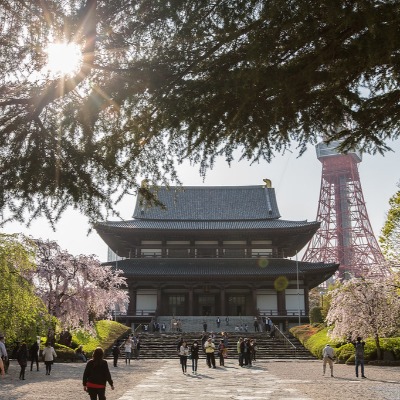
<point x="163" y="379"/>
<point x="229" y="382"/>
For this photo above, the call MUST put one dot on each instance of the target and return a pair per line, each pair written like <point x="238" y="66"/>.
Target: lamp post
<point x="298" y="289"/>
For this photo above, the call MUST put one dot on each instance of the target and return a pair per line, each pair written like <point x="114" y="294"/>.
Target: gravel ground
<point x="65" y="381"/>
<point x="301" y="378"/>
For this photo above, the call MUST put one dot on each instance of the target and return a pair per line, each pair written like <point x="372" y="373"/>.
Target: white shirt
<point x="128" y="345"/>
<point x="328" y="352"/>
<point x="49" y="353"/>
<point x="3" y="351"/>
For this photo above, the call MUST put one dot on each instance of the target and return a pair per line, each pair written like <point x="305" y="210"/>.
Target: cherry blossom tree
<point x="77" y="289"/>
<point x="366" y="307"/>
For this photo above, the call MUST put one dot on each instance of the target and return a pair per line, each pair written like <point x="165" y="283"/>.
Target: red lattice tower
<point x="345" y="235"/>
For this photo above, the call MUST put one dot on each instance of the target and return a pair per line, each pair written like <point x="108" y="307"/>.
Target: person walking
<point x="22" y="358"/>
<point x="48" y="355"/>
<point x="253" y="346"/>
<point x="218" y="321"/>
<point x="3" y="355"/>
<point x="183" y="356"/>
<point x="194" y="354"/>
<point x="34" y="354"/>
<point x="2" y="371"/>
<point x="359" y="356"/>
<point x="221" y="353"/>
<point x="247" y="352"/>
<point x="128" y="349"/>
<point x="205" y="326"/>
<point x="96" y="376"/>
<point x="116" y="351"/>
<point x="256" y="325"/>
<point x="327" y="357"/>
<point x="239" y="348"/>
<point x="209" y="348"/>
<point x="137" y="346"/>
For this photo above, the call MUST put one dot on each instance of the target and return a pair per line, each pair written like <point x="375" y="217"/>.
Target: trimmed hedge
<point x="315" y="337"/>
<point x="106" y="333"/>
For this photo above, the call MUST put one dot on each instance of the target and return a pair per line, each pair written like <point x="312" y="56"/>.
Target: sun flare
<point x="63" y="58"/>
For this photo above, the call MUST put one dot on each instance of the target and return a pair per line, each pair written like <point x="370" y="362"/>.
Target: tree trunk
<point x="378" y="347"/>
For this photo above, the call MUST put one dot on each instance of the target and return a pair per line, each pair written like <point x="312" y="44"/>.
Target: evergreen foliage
<point x="164" y="81"/>
<point x="21" y="311"/>
<point x="316" y="315"/>
<point x="390" y="235"/>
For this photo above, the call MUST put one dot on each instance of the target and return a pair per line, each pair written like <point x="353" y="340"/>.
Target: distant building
<point x="215" y="251"/>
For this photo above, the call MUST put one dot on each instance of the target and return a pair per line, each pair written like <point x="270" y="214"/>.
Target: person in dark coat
<point x="22" y="358"/>
<point x="96" y="376"/>
<point x="194" y="354"/>
<point x="34" y="354"/>
<point x="116" y="353"/>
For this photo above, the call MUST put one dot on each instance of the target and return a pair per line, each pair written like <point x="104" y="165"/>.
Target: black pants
<point x="35" y="359"/>
<point x="97" y="393"/>
<point x="210" y="359"/>
<point x="115" y="361"/>
<point x="22" y="372"/>
<point x="221" y="359"/>
<point x="48" y="367"/>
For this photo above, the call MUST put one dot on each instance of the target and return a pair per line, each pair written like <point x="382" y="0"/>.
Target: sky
<point x="296" y="181"/>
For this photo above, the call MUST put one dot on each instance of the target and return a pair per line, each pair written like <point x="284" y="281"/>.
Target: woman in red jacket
<point x="96" y="376"/>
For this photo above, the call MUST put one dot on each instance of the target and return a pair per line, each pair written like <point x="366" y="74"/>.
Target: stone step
<point x="156" y="345"/>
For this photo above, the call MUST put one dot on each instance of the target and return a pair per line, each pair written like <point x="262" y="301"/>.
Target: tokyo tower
<point x="345" y="235"/>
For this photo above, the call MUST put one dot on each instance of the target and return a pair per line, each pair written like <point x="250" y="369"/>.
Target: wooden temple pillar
<point x="306" y="301"/>
<point x="132" y="301"/>
<point x="190" y="310"/>
<point x="159" y="310"/>
<point x="254" y="301"/>
<point x="222" y="301"/>
<point x="281" y="302"/>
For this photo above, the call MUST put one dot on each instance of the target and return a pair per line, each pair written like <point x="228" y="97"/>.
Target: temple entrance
<point x="237" y="305"/>
<point x="176" y="305"/>
<point x="206" y="304"/>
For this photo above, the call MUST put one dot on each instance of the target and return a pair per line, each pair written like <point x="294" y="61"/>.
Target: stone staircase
<point x="163" y="345"/>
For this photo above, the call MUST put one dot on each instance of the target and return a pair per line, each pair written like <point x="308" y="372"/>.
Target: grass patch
<point x="315" y="337"/>
<point x="106" y="333"/>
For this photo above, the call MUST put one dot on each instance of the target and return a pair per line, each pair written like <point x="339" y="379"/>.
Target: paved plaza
<point x="163" y="379"/>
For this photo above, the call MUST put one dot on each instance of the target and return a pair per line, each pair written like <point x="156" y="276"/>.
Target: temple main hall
<point x="214" y="251"/>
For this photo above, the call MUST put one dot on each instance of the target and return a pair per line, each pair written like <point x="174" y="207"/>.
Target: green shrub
<point x="316" y="316"/>
<point x="344" y="353"/>
<point x="106" y="332"/>
<point x="314" y="339"/>
<point x="64" y="353"/>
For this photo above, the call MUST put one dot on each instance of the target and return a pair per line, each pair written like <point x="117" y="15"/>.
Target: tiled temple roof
<point x="212" y="203"/>
<point x="220" y="212"/>
<point x="207" y="225"/>
<point x="234" y="268"/>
